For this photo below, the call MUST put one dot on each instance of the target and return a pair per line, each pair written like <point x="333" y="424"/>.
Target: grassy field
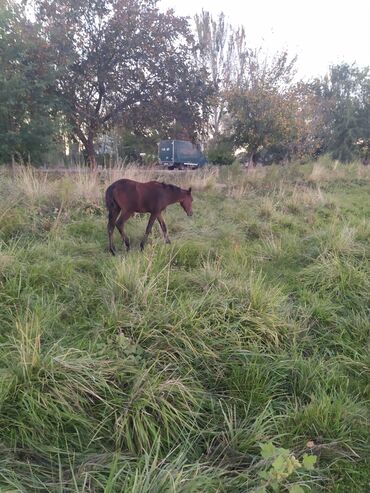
<point x="176" y="369"/>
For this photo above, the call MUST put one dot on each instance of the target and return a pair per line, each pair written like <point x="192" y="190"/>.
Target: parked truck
<point x="180" y="154"/>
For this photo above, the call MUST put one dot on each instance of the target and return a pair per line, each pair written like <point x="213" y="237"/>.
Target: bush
<point x="221" y="152"/>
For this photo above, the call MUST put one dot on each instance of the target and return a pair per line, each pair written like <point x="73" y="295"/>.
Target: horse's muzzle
<point x="190" y="214"/>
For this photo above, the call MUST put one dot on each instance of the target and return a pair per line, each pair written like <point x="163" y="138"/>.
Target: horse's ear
<point x="189" y="191"/>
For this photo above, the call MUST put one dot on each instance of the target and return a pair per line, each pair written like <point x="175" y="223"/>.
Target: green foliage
<point x="281" y="466"/>
<point x="84" y="72"/>
<point x="132" y="145"/>
<point x="220" y="152"/>
<point x="259" y="104"/>
<point x="114" y="73"/>
<point x="27" y="125"/>
<point x="346" y="94"/>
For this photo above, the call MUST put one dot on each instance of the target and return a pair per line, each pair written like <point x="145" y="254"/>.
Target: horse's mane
<point x="173" y="188"/>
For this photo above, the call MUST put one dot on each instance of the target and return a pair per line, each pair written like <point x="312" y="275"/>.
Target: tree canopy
<point x="346" y="90"/>
<point x="28" y="106"/>
<point x="91" y="69"/>
<point x="122" y="62"/>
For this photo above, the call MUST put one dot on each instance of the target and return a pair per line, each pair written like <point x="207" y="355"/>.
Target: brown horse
<point x="128" y="196"/>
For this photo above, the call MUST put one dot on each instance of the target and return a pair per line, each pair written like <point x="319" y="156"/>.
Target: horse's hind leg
<point x="112" y="217"/>
<point x="120" y="226"/>
<point x="164" y="228"/>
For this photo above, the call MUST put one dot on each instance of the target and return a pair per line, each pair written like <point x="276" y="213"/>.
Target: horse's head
<point x="186" y="202"/>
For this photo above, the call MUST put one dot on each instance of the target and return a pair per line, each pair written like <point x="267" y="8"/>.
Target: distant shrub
<point x="221" y="153"/>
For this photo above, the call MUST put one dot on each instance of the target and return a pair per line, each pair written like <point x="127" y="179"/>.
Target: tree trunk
<point x="89" y="148"/>
<point x="90" y="152"/>
<point x="252" y="162"/>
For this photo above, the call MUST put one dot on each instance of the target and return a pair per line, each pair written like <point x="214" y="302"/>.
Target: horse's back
<point x="127" y="184"/>
<point x="122" y="184"/>
<point x="135" y="196"/>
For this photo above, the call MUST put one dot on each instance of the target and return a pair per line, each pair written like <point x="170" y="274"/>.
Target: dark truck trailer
<point x="180" y="154"/>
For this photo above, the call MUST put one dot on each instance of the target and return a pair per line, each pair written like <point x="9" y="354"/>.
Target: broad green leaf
<point x="279" y="464"/>
<point x="295" y="488"/>
<point x="268" y="450"/>
<point x="264" y="474"/>
<point x="283" y="451"/>
<point x="309" y="461"/>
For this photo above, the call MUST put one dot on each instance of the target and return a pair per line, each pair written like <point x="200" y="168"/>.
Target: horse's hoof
<point x="112" y="251"/>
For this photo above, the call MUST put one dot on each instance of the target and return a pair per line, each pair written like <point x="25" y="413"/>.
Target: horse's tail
<point x="110" y="201"/>
<point x="113" y="212"/>
<point x="109" y="198"/>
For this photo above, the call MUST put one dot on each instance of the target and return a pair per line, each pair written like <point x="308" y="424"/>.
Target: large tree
<point x="221" y="50"/>
<point x="308" y="130"/>
<point x="28" y="107"/>
<point x="259" y="119"/>
<point x="343" y="97"/>
<point x="260" y="106"/>
<point x="122" y="62"/>
<point x="347" y="88"/>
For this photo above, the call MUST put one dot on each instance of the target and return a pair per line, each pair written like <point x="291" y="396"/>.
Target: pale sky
<point x="320" y="32"/>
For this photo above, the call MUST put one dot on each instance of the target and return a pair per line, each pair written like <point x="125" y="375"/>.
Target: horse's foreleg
<point x="151" y="221"/>
<point x="120" y="226"/>
<point x="164" y="228"/>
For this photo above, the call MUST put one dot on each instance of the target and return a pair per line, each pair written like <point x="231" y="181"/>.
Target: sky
<point x="320" y="32"/>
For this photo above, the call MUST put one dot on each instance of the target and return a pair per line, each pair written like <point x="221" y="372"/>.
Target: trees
<point x="345" y="95"/>
<point x="349" y="88"/>
<point x="308" y="123"/>
<point x="221" y="50"/>
<point x="261" y="107"/>
<point x="27" y="104"/>
<point x="122" y="65"/>
<point x="247" y="107"/>
<point x="122" y="62"/>
<point x="259" y="119"/>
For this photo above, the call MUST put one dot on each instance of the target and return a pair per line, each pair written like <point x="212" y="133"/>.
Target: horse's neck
<point x="175" y="196"/>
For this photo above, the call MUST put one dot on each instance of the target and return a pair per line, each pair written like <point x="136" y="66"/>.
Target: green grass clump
<point x="234" y="359"/>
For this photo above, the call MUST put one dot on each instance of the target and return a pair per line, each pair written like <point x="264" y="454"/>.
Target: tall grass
<point x="164" y="371"/>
